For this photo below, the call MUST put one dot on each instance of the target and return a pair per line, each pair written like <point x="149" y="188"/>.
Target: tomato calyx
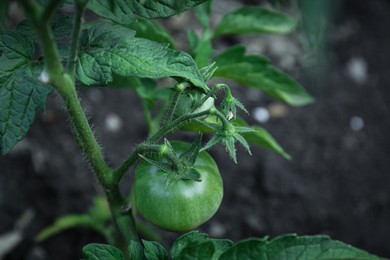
<point x="230" y="104"/>
<point x="177" y="167"/>
<point x="228" y="135"/>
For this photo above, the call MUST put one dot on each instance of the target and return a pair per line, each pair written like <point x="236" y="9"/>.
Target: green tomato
<point x="184" y="204"/>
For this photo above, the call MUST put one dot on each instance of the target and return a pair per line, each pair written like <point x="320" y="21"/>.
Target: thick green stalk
<point x="64" y="84"/>
<point x="122" y="214"/>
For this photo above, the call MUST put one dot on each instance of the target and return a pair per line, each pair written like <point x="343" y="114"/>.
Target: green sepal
<point x="213" y="141"/>
<point x="230" y="104"/>
<point x="244" y="143"/>
<point x="229" y="142"/>
<point x="192" y="152"/>
<point x="208" y="71"/>
<point x="161" y="165"/>
<point x="192" y="174"/>
<point x="228" y="138"/>
<point x="169" y="145"/>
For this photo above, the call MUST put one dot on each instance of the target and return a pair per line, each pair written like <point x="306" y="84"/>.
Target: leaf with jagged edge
<point x="154" y="250"/>
<point x="108" y="49"/>
<point x="151" y="30"/>
<point x="127" y="11"/>
<point x="96" y="251"/>
<point x="21" y="93"/>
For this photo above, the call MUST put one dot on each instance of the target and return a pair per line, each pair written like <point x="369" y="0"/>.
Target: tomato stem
<point x="64" y="84"/>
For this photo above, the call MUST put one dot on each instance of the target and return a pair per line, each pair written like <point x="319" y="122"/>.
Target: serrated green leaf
<point x="151" y="30"/>
<point x="108" y="49"/>
<point x="21" y="94"/>
<point x="313" y="247"/>
<point x="251" y="19"/>
<point x="127" y="11"/>
<point x="256" y="71"/>
<point x="192" y="237"/>
<point x="252" y="248"/>
<point x="15" y="52"/>
<point x="154" y="250"/>
<point x="195" y="245"/>
<point x="102" y="252"/>
<point x="198" y="251"/>
<point x="136" y="251"/>
<point x="221" y="245"/>
<point x="293" y="247"/>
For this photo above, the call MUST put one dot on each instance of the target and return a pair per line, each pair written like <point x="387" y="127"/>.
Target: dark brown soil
<point x="337" y="183"/>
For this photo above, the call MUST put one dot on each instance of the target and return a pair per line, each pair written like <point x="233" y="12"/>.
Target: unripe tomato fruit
<point x="184" y="204"/>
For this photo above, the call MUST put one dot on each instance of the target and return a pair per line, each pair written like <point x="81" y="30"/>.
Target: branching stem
<point x="64" y="84"/>
<point x="121" y="170"/>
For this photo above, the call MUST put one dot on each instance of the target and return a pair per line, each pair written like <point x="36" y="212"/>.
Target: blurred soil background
<point x="338" y="182"/>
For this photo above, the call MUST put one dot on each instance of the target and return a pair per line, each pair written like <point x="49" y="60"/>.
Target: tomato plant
<point x="183" y="204"/>
<point x="177" y="186"/>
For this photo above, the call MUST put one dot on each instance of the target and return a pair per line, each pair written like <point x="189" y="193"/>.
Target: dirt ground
<point x="337" y="183"/>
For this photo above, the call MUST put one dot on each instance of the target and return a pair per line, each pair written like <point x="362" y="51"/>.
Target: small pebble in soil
<point x="357" y="70"/>
<point x="261" y="114"/>
<point x="113" y="123"/>
<point x="40" y="158"/>
<point x="254" y="222"/>
<point x="217" y="230"/>
<point x="356" y="123"/>
<point x="253" y="94"/>
<point x="277" y="110"/>
<point x="95" y="95"/>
